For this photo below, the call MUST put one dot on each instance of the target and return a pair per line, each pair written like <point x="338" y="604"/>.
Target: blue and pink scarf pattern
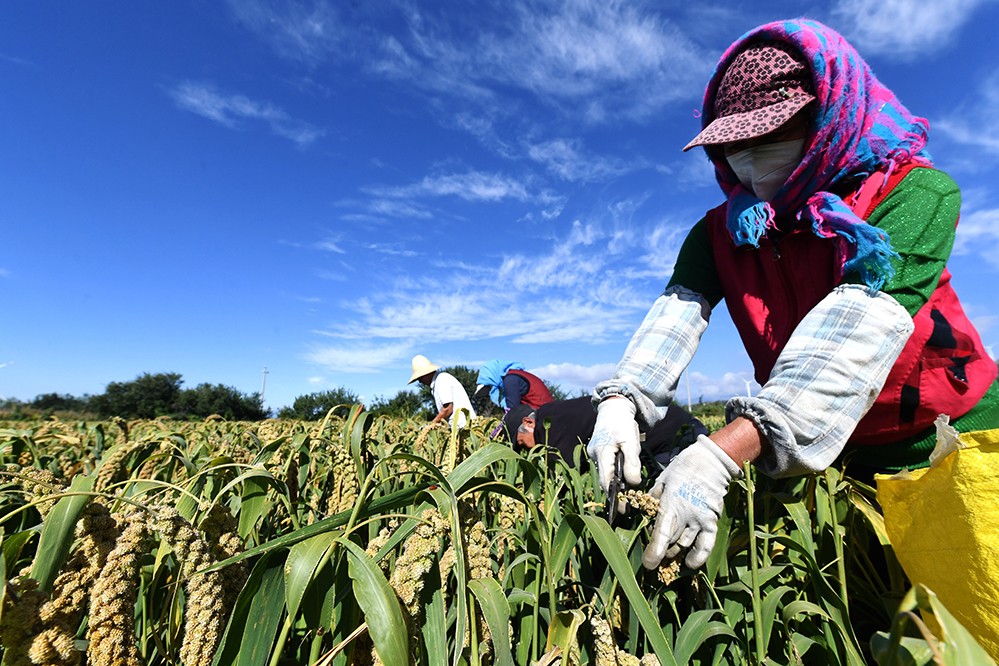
<point x="859" y="128"/>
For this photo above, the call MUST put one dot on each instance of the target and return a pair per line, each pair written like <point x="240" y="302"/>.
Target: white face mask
<point x="765" y="168"/>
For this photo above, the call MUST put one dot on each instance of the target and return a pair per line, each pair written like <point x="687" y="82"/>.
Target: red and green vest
<point x="943" y="368"/>
<point x="537" y="393"/>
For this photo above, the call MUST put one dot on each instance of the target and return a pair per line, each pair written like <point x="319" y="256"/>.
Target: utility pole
<point x="263" y="385"/>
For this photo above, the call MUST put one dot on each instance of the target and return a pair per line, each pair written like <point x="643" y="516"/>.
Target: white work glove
<point x="616" y="430"/>
<point x="691" y="491"/>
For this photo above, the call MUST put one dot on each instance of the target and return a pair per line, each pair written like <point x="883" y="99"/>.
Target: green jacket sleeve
<point x="920" y="217"/>
<point x="695" y="265"/>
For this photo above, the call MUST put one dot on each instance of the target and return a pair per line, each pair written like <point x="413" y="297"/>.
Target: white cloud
<point x="329" y="245"/>
<point x="359" y="357"/>
<point x="332" y="276"/>
<point x="978" y="233"/>
<point x="578" y="291"/>
<point x="436" y="314"/>
<point x="475" y="186"/>
<point x="470" y="186"/>
<point x="596" y="58"/>
<point x="903" y="29"/>
<point x="561" y="269"/>
<point x="565" y="159"/>
<point x="399" y="209"/>
<point x="985" y="323"/>
<point x="974" y="123"/>
<point x="233" y="111"/>
<point x="610" y="53"/>
<point x="20" y="62"/>
<point x="572" y="377"/>
<point x="407" y="201"/>
<point x="307" y="30"/>
<point x="392" y="250"/>
<point x="716" y="388"/>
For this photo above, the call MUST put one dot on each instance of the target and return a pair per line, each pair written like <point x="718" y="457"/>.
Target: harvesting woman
<point x="830" y="251"/>
<point x="509" y="385"/>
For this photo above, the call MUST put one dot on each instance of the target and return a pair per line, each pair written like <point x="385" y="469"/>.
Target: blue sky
<point x="325" y="189"/>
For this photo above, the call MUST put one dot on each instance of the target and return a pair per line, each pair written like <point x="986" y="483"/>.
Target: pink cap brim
<point x="750" y="124"/>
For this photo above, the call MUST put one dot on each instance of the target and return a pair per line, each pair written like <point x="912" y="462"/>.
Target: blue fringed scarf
<point x="859" y="127"/>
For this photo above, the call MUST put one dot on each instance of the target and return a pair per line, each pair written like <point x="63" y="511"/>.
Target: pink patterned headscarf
<point x="859" y="127"/>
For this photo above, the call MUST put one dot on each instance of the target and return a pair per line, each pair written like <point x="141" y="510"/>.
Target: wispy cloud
<point x="713" y="388"/>
<point x="413" y="200"/>
<point x="234" y="111"/>
<point x="566" y="159"/>
<point x="4" y="273"/>
<point x="564" y="267"/>
<point x="695" y="386"/>
<point x="978" y="233"/>
<point x="390" y="249"/>
<point x="986" y="321"/>
<point x="332" y="276"/>
<point x="594" y="58"/>
<point x="330" y="245"/>
<point x="303" y="30"/>
<point x="974" y="123"/>
<point x="470" y="186"/>
<point x="616" y="56"/>
<point x="572" y="377"/>
<point x="14" y="60"/>
<point x="580" y="290"/>
<point x="902" y="29"/>
<point x="360" y="357"/>
<point x="445" y="317"/>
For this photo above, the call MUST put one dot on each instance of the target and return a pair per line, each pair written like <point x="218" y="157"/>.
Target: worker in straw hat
<point x="450" y="397"/>
<point x="830" y="251"/>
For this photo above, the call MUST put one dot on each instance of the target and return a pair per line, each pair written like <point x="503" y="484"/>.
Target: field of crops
<point x="361" y="540"/>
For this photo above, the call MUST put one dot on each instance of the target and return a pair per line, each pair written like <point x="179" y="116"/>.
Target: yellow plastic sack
<point x="943" y="523"/>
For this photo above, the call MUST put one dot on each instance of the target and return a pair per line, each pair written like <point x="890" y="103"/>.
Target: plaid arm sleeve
<point x="658" y="354"/>
<point x="825" y="379"/>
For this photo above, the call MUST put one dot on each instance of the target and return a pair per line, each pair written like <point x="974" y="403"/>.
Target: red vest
<point x="537" y="393"/>
<point x="943" y="368"/>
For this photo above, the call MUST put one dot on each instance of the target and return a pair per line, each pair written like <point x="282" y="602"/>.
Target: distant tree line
<point x="161" y="394"/>
<point x="147" y="397"/>
<point x="152" y="395"/>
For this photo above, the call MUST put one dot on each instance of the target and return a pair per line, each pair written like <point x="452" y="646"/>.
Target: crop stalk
<point x="754" y="567"/>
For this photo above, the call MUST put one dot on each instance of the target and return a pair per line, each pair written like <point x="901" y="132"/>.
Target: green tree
<point x="145" y="397"/>
<point x="314" y="406"/>
<point x="207" y="399"/>
<point x="560" y="393"/>
<point x="60" y="402"/>
<point x="404" y="404"/>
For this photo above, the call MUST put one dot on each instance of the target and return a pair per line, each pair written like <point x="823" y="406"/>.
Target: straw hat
<point x="421" y="366"/>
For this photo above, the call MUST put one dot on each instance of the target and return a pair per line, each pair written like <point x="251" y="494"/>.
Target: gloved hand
<point x="690" y="492"/>
<point x="616" y="429"/>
